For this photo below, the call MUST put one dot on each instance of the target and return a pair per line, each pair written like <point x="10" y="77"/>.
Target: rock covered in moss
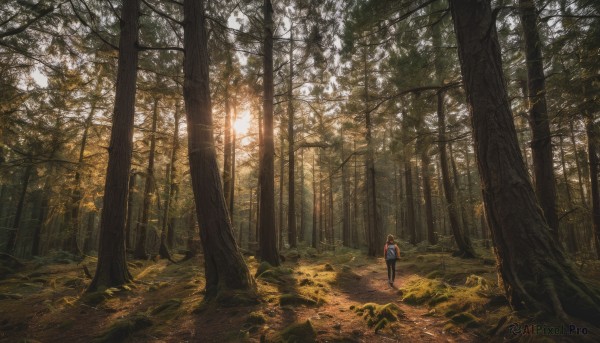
<point x="298" y="333"/>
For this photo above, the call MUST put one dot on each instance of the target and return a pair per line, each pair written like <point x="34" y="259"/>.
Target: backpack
<point x="391" y="252"/>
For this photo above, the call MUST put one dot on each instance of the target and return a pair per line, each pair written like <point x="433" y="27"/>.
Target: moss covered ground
<point x="328" y="296"/>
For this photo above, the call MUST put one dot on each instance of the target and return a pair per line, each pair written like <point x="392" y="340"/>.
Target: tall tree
<point x="142" y="232"/>
<point x="541" y="143"/>
<point x="223" y="262"/>
<point x="268" y="234"/>
<point x="535" y="272"/>
<point x="291" y="158"/>
<point x="112" y="269"/>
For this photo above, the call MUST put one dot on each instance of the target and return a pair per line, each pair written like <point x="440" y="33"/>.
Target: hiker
<point x="391" y="253"/>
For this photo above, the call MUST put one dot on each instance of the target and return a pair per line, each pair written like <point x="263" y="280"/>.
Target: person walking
<point x="391" y="253"/>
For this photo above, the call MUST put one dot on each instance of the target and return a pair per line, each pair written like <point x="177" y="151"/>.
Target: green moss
<point x="297" y="333"/>
<point x="94" y="298"/>
<point x="379" y="316"/>
<point x="124" y="328"/>
<point x="263" y="267"/>
<point x="420" y="291"/>
<point x="256" y="318"/>
<point x="296" y="300"/>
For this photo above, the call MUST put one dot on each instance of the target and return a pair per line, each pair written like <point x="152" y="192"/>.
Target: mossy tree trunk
<point x="534" y="271"/>
<point x="224" y="265"/>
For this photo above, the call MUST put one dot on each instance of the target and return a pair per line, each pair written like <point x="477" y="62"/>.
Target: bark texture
<point x="534" y="271"/>
<point x="541" y="143"/>
<point x="268" y="234"/>
<point x="224" y="265"/>
<point x="112" y="266"/>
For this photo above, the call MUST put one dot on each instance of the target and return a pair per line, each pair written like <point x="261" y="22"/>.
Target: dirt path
<point x="335" y="320"/>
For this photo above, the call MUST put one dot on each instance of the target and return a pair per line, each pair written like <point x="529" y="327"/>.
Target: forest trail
<point x="343" y="295"/>
<point x="415" y="325"/>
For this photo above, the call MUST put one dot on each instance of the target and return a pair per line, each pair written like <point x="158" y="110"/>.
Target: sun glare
<point x="242" y="123"/>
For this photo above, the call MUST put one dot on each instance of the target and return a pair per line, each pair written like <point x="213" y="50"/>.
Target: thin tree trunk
<point x="462" y="241"/>
<point x="225" y="269"/>
<point x="315" y="207"/>
<point x="142" y="233"/>
<point x="112" y="269"/>
<point x="592" y="137"/>
<point x="571" y="238"/>
<point x="42" y="210"/>
<point x="227" y="183"/>
<point x="302" y="200"/>
<point x="173" y="188"/>
<point x="541" y="143"/>
<point x="355" y="239"/>
<point x="535" y="272"/>
<point x="373" y="231"/>
<point x="281" y="178"/>
<point x="291" y="159"/>
<point x="15" y="228"/>
<point x="129" y="218"/>
<point x="410" y="202"/>
<point x="346" y="225"/>
<point x="425" y="161"/>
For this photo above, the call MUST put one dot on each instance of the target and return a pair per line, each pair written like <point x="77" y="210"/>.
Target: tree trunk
<point x="42" y="211"/>
<point x="592" y="137"/>
<point x="281" y="172"/>
<point x="224" y="265"/>
<point x="425" y="161"/>
<point x="129" y="218"/>
<point x="373" y="231"/>
<point x="140" y="243"/>
<point x="268" y="234"/>
<point x="73" y="224"/>
<point x="11" y="242"/>
<point x="346" y="225"/>
<point x="410" y="201"/>
<point x="355" y="239"/>
<point x="314" y="240"/>
<point x="465" y="249"/>
<point x="571" y="238"/>
<point x="291" y="159"/>
<point x="541" y="143"/>
<point x="302" y="200"/>
<point x="172" y="184"/>
<point x="227" y="184"/>
<point x="112" y="269"/>
<point x="535" y="272"/>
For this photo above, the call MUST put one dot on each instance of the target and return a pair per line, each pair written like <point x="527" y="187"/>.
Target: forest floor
<point x="340" y="296"/>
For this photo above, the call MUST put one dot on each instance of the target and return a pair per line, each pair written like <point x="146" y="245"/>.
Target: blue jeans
<point x="391" y="269"/>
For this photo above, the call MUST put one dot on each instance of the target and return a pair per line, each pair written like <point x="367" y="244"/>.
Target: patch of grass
<point x="256" y="318"/>
<point x="124" y="328"/>
<point x="420" y="290"/>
